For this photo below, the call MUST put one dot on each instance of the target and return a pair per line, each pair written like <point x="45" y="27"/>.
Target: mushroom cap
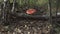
<point x="31" y="11"/>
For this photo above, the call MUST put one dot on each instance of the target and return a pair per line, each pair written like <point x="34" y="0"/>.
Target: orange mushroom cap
<point x="31" y="11"/>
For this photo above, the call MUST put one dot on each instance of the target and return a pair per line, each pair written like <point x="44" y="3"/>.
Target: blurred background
<point x="26" y="26"/>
